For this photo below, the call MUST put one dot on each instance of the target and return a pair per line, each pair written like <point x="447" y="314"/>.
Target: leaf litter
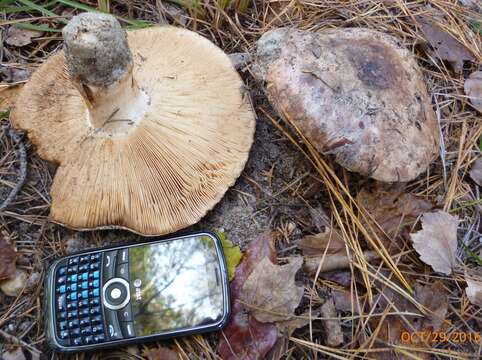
<point x="473" y="89"/>
<point x="423" y="316"/>
<point x="21" y="37"/>
<point x="232" y="254"/>
<point x="444" y="46"/>
<point x="436" y="243"/>
<point x="8" y="256"/>
<point x="244" y="337"/>
<point x="393" y="210"/>
<point x="476" y="171"/>
<point x="160" y="353"/>
<point x="270" y="291"/>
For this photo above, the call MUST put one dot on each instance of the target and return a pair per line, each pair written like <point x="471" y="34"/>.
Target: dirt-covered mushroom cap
<point x="148" y="139"/>
<point x="354" y="93"/>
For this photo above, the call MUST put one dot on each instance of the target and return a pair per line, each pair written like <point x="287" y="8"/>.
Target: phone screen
<point x="175" y="285"/>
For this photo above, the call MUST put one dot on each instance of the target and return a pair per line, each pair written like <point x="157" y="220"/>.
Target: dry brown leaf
<point x="476" y="171"/>
<point x="21" y="37"/>
<point x="393" y="210"/>
<point x="8" y="96"/>
<point x="436" y="243"/>
<point x="331" y="327"/>
<point x="445" y="47"/>
<point x="287" y="327"/>
<point x="474" y="291"/>
<point x="473" y="89"/>
<point x="345" y="301"/>
<point x="330" y="240"/>
<point x="8" y="256"/>
<point x="245" y="338"/>
<point x="14" y="74"/>
<point x="13" y="287"/>
<point x="270" y="290"/>
<point x="16" y="354"/>
<point x="432" y="297"/>
<point x="160" y="353"/>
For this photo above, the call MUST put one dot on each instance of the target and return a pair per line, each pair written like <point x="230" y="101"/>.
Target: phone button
<point x="125" y="314"/>
<point x="109" y="265"/>
<point x="113" y="329"/>
<point x="123" y="256"/>
<point x="127" y="329"/>
<point x="116" y="293"/>
<point x="123" y="271"/>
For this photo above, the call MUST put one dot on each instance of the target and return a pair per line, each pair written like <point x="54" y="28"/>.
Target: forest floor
<point x="286" y="189"/>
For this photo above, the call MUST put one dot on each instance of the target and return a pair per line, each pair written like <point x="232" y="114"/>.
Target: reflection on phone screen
<point x="175" y="285"/>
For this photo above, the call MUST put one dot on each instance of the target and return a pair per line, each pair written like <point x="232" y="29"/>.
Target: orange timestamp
<point x="440" y="337"/>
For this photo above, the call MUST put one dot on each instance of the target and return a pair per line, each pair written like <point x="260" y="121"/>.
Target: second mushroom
<point x="356" y="94"/>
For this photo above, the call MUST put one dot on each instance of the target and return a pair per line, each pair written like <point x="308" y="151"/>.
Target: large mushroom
<point x="354" y="93"/>
<point x="147" y="139"/>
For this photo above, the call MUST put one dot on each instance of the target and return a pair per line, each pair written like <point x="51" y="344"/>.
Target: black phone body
<point x="135" y="293"/>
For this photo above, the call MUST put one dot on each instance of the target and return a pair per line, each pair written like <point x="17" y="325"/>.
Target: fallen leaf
<point x="476" y="171"/>
<point x="21" y="37"/>
<point x="393" y="210"/>
<point x="473" y="89"/>
<point x="232" y="254"/>
<point x="474" y="291"/>
<point x="8" y="256"/>
<point x="330" y="240"/>
<point x="436" y="243"/>
<point x="432" y="297"/>
<point x="8" y="95"/>
<point x="271" y="292"/>
<point x="160" y="353"/>
<point x="244" y="337"/>
<point x="287" y="327"/>
<point x="16" y="354"/>
<point x="14" y="75"/>
<point x="343" y="278"/>
<point x="444" y="46"/>
<point x="331" y="327"/>
<point x="13" y="287"/>
<point x="345" y="301"/>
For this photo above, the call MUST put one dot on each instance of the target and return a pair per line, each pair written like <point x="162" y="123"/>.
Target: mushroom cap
<point x="168" y="170"/>
<point x="354" y="93"/>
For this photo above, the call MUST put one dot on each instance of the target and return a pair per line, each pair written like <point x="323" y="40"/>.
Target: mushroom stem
<point x="100" y="64"/>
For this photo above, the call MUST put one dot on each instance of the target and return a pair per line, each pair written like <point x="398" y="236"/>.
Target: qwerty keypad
<point x="78" y="301"/>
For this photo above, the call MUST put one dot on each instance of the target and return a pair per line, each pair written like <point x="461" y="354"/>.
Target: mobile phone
<point x="135" y="293"/>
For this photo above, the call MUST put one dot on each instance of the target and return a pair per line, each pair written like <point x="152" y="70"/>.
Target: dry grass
<point x="235" y="28"/>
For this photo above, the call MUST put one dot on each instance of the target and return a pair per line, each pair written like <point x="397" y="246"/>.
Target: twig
<point x="18" y="341"/>
<point x="22" y="158"/>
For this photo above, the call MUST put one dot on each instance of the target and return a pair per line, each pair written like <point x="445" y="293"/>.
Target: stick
<point x="18" y="341"/>
<point x="334" y="262"/>
<point x="22" y="158"/>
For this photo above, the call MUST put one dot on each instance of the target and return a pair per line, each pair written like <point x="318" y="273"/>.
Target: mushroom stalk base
<point x="116" y="108"/>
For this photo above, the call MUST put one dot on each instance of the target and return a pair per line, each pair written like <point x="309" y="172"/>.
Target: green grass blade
<point x="40" y="9"/>
<point x="134" y="24"/>
<point x="43" y="28"/>
<point x="477" y="26"/>
<point x="14" y="9"/>
<point x="4" y="3"/>
<point x="104" y="5"/>
<point x="77" y="5"/>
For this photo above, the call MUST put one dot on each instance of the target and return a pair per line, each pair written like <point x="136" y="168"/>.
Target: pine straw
<point x="446" y="182"/>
